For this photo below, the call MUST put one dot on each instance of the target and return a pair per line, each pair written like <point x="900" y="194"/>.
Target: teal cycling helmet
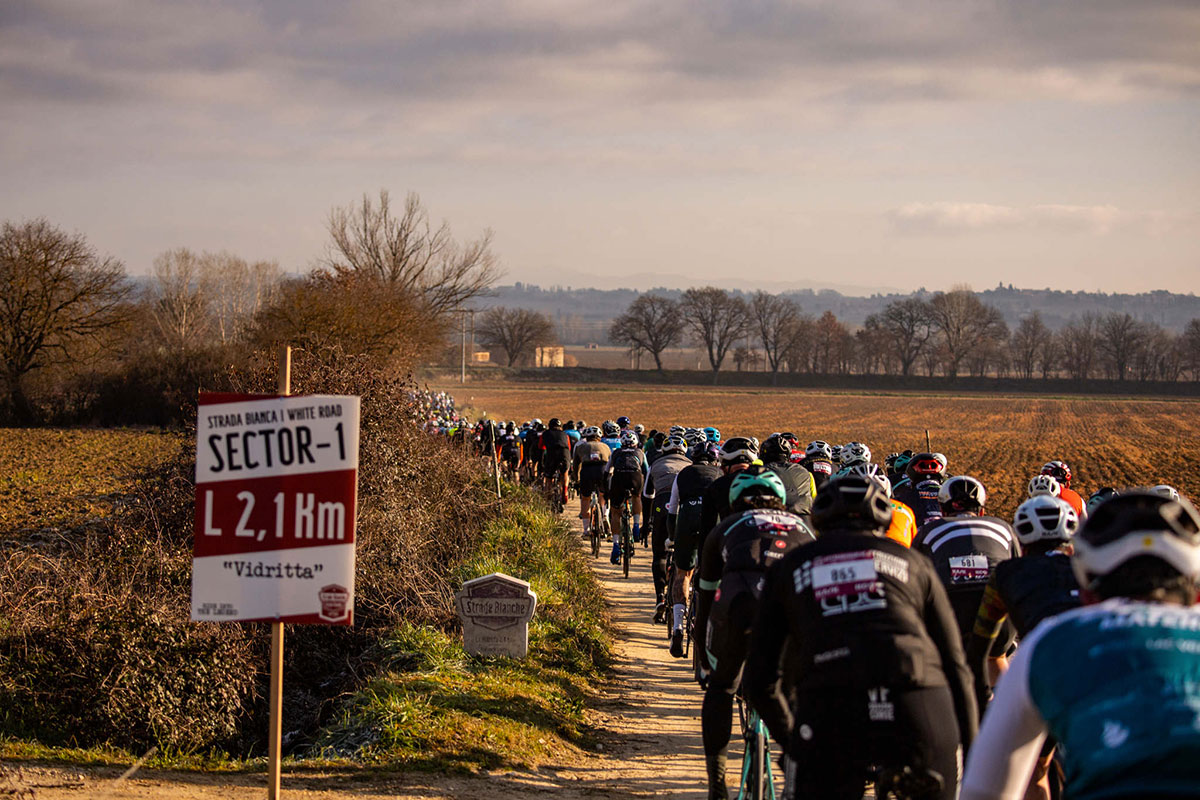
<point x="756" y="481"/>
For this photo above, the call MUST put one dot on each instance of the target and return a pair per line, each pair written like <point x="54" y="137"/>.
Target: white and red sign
<point x="276" y="483"/>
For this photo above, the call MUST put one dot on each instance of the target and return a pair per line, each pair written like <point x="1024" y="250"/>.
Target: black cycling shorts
<point x="554" y="462"/>
<point x="623" y="485"/>
<point x="591" y="480"/>
<point x="729" y="622"/>
<point x="840" y="733"/>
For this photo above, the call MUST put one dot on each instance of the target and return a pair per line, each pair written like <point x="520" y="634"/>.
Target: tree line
<point x="82" y="342"/>
<point x="949" y="334"/>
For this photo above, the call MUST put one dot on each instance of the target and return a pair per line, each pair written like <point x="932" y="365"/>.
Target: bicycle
<point x="598" y="523"/>
<point x="626" y="536"/>
<point x="553" y="490"/>
<point x="758" y="781"/>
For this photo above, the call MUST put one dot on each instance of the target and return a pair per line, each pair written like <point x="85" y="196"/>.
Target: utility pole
<point x="463" y="378"/>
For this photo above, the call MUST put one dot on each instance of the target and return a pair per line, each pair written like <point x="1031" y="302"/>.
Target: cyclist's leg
<point x="636" y="508"/>
<point x="658" y="549"/>
<point x="828" y="745"/>
<point x="923" y="736"/>
<point x="729" y="633"/>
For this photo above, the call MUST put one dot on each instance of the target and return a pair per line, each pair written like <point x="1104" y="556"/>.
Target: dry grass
<point x="1000" y="440"/>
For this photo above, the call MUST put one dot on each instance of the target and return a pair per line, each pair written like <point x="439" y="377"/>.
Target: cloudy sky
<point x="748" y="143"/>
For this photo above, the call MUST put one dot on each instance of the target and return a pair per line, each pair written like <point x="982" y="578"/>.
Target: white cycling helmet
<point x="854" y="453"/>
<point x="1044" y="518"/>
<point x="873" y="472"/>
<point x="1163" y="490"/>
<point x="962" y="493"/>
<point x="739" y="449"/>
<point x="675" y="444"/>
<point x="818" y="449"/>
<point x="629" y="439"/>
<point x="1040" y="485"/>
<point x="1133" y="524"/>
<point x="591" y="432"/>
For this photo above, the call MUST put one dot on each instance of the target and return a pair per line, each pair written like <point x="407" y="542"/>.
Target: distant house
<point x="481" y="357"/>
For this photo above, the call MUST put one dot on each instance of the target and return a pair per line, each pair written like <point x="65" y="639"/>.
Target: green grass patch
<point x="435" y="707"/>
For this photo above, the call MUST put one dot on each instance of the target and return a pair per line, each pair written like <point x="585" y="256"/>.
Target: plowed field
<point x="1000" y="440"/>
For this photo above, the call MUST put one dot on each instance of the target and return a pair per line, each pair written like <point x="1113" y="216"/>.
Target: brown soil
<point x="649" y="715"/>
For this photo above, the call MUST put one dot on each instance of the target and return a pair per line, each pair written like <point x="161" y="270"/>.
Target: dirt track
<point x="649" y="715"/>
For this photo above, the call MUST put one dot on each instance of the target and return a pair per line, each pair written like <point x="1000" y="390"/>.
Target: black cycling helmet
<point x="852" y="503"/>
<point x="1099" y="496"/>
<point x="555" y="423"/>
<point x="624" y="422"/>
<point x="962" y="493"/>
<point x="776" y="448"/>
<point x="703" y="453"/>
<point x="739" y="450"/>
<point x="1137" y="524"/>
<point x="570" y="426"/>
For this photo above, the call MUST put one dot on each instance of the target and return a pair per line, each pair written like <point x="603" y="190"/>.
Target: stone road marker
<point x="495" y="612"/>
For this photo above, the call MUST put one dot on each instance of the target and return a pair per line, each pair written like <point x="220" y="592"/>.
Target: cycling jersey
<point x="556" y="450"/>
<point x="1027" y="590"/>
<point x="965" y="549"/>
<point x="798" y="484"/>
<point x="904" y="524"/>
<point x="627" y="459"/>
<point x="686" y="505"/>
<point x="1075" y="501"/>
<point x="587" y="465"/>
<point x="662" y="475"/>
<point x="1118" y="686"/>
<point x="613" y="442"/>
<point x="821" y="469"/>
<point x="921" y="497"/>
<point x="864" y="614"/>
<point x="716" y="503"/>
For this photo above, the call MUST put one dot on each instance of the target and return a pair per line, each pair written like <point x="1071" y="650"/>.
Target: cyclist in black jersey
<point x="818" y="459"/>
<point x="877" y="677"/>
<point x="556" y="447"/>
<point x="776" y="455"/>
<point x="655" y="495"/>
<point x="1040" y="583"/>
<point x="757" y="533"/>
<point x="737" y="453"/>
<point x="965" y="546"/>
<point x="684" y="511"/>
<point x="919" y="490"/>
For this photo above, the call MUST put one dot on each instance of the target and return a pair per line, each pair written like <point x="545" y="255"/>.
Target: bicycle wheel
<point x="597" y="527"/>
<point x="626" y="539"/>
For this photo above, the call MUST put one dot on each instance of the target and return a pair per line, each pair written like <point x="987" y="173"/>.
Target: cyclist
<point x="876" y="675"/>
<point x="610" y="434"/>
<point x="818" y="459"/>
<point x="1062" y="474"/>
<point x="965" y="547"/>
<point x="1116" y="683"/>
<point x="655" y="495"/>
<point x="684" y="511"/>
<point x="510" y="449"/>
<point x="1098" y="497"/>
<point x="852" y="455"/>
<point x="556" y="456"/>
<point x="654" y="444"/>
<point x="776" y="455"/>
<point x="625" y="424"/>
<point x="735" y="455"/>
<point x="626" y="472"/>
<point x="640" y="430"/>
<point x="758" y="533"/>
<point x="1045" y="485"/>
<point x="903" y="527"/>
<point x="895" y="465"/>
<point x="1030" y="588"/>
<point x="919" y="489"/>
<point x="588" y="460"/>
<point x="573" y="432"/>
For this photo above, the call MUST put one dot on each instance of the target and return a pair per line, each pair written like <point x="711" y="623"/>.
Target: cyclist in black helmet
<point x="877" y="677"/>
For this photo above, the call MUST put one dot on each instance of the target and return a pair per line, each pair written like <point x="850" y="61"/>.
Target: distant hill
<point x="584" y="315"/>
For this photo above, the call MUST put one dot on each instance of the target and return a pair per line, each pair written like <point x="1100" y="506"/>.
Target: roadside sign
<point x="276" y="484"/>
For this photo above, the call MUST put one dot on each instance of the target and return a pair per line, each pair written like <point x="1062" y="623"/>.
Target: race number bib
<point x="843" y="574"/>
<point x="969" y="569"/>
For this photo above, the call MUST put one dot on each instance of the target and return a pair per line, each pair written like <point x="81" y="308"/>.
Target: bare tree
<point x="1079" y="344"/>
<point x="833" y="345"/>
<point x="55" y="293"/>
<point x="744" y="357"/>
<point x="238" y="289"/>
<point x="651" y="323"/>
<point x="964" y="324"/>
<point x="1190" y="345"/>
<point x="777" y="320"/>
<point x="180" y="300"/>
<point x="717" y="319"/>
<point x="1028" y="343"/>
<point x="909" y="325"/>
<point x="516" y="331"/>
<point x="1120" y="338"/>
<point x="407" y="253"/>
